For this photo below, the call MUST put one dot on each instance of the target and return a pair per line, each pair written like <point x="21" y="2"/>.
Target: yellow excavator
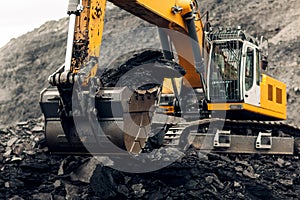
<point x="206" y="87"/>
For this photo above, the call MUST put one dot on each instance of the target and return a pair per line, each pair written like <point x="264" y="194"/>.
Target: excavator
<point x="207" y="88"/>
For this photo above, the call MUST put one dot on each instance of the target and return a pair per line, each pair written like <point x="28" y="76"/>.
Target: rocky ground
<point x="28" y="171"/>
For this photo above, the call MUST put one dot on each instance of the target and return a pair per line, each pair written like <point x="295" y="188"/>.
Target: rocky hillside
<point x="25" y="64"/>
<point x="27" y="61"/>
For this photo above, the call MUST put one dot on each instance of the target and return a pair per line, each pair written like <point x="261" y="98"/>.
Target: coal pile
<point x="29" y="171"/>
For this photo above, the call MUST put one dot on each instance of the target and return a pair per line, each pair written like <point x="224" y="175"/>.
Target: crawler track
<point x="243" y="136"/>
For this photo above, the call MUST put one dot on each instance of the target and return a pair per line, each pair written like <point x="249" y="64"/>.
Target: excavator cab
<point x="225" y="72"/>
<point x="234" y="70"/>
<point x="236" y="80"/>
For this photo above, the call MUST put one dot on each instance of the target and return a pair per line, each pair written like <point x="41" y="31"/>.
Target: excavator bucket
<point x="109" y="119"/>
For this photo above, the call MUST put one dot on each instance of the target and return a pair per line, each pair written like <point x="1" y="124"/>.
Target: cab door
<point x="251" y="74"/>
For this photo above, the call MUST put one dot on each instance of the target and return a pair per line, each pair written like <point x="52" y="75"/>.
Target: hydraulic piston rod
<point x="75" y="7"/>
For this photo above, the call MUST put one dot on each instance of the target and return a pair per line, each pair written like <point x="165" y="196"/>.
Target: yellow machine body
<point x="272" y="103"/>
<point x="89" y="29"/>
<point x="223" y="70"/>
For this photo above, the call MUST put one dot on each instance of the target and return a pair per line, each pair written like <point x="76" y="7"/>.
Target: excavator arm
<point x="174" y="16"/>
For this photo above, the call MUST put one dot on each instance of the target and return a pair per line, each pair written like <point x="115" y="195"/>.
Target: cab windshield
<point x="224" y="70"/>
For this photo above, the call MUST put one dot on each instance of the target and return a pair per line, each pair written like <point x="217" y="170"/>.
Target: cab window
<point x="249" y="69"/>
<point x="258" y="70"/>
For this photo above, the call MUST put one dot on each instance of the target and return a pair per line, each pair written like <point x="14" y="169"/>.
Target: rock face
<point x="28" y="171"/>
<point x="26" y="62"/>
